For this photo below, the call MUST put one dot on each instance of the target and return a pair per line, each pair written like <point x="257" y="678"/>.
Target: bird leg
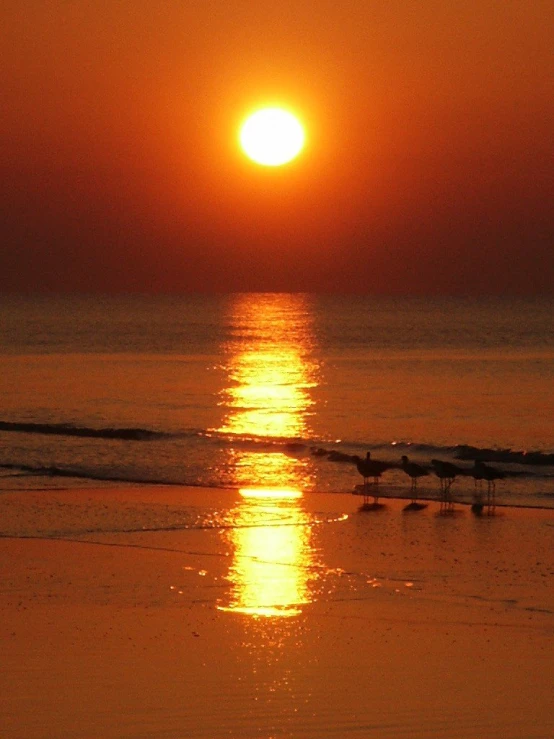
<point x="446" y="501"/>
<point x="375" y="491"/>
<point x="491" y="497"/>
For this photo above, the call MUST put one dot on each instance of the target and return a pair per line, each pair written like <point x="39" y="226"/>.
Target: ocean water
<point x="275" y="391"/>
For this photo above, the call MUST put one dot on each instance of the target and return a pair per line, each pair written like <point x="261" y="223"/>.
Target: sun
<point x="272" y="136"/>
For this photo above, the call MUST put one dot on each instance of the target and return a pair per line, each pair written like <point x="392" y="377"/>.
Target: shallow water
<point x="240" y="390"/>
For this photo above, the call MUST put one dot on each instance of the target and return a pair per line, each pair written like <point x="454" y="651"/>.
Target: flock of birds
<point x="372" y="469"/>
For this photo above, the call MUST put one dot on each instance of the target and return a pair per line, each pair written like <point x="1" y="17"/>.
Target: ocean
<point x="276" y="391"/>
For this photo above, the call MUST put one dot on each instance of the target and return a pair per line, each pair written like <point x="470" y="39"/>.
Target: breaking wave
<point x="67" y="429"/>
<point x="337" y="451"/>
<point x="85" y="474"/>
<point x="506" y="456"/>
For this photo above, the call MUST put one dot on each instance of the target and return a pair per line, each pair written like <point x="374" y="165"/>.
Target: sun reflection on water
<point x="267" y="403"/>
<point x="267" y="398"/>
<point x="273" y="562"/>
<point x="268" y="392"/>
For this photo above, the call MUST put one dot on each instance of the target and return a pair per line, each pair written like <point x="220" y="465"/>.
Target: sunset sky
<point x="428" y="166"/>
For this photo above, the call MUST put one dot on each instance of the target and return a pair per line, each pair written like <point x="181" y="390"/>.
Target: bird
<point x="371" y="468"/>
<point x="482" y="471"/>
<point x="477" y="474"/>
<point x="415" y="471"/>
<point x="446" y="472"/>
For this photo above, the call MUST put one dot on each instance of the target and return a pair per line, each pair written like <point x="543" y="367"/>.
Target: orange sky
<point x="428" y="167"/>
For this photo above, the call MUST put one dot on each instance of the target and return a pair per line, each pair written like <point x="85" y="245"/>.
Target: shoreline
<point x="384" y="493"/>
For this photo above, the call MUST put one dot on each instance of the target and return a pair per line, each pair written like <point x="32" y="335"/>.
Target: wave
<point x="86" y="474"/>
<point x="200" y="464"/>
<point x="348" y="451"/>
<point x="339" y="450"/>
<point x="67" y="429"/>
<point x="532" y="464"/>
<point x="506" y="456"/>
<point x="462" y="452"/>
<point x="468" y="453"/>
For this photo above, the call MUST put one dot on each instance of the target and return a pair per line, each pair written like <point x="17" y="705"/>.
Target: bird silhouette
<point x="415" y="471"/>
<point x="482" y="471"/>
<point x="446" y="472"/>
<point x="371" y="468"/>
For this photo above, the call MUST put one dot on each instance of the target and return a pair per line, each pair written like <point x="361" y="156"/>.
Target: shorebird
<point x="482" y="471"/>
<point x="371" y="468"/>
<point x="446" y="472"/>
<point x="415" y="471"/>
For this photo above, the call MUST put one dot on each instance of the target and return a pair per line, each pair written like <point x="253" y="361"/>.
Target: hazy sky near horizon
<point x="428" y="167"/>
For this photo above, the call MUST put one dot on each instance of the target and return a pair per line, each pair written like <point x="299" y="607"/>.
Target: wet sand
<point x="377" y="623"/>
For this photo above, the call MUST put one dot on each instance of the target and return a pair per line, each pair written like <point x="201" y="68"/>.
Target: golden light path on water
<point x="270" y="374"/>
<point x="272" y="558"/>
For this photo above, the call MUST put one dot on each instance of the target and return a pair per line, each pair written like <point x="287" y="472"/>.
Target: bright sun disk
<point x="272" y="136"/>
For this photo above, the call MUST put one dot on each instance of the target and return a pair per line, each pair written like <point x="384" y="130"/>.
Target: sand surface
<point x="261" y="618"/>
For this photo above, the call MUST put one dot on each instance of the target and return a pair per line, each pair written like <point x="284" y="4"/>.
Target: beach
<point x="236" y="615"/>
